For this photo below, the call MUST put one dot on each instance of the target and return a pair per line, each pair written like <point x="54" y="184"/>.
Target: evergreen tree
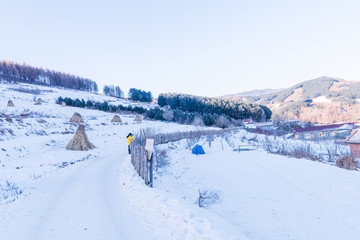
<point x="139" y="95"/>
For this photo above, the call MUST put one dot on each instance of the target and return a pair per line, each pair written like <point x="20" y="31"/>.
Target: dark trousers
<point x="129" y="149"/>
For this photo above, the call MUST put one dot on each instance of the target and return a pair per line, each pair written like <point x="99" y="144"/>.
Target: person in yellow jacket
<point x="129" y="138"/>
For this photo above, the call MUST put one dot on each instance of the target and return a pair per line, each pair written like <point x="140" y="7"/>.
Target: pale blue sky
<point x="206" y="48"/>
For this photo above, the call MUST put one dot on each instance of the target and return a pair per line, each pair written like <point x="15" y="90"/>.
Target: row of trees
<point x="177" y="115"/>
<point x="134" y="94"/>
<point x="14" y="72"/>
<point x="193" y="118"/>
<point x="140" y="95"/>
<point x="113" y="91"/>
<point x="205" y="105"/>
<point x="102" y="106"/>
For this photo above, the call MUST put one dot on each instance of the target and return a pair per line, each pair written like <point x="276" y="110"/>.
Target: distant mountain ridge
<point x="320" y="100"/>
<point x="333" y="88"/>
<point x="252" y="93"/>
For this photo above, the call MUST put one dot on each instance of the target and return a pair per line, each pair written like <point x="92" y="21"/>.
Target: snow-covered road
<point x="82" y="202"/>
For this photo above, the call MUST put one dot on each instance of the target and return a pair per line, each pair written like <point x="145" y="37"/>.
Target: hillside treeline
<point x="177" y="115"/>
<point x="14" y="72"/>
<point x="102" y="106"/>
<point x="205" y="105"/>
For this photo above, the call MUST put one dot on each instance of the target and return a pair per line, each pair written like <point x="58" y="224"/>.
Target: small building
<point x="249" y="124"/>
<point x="340" y="131"/>
<point x="265" y="125"/>
<point x="354" y="142"/>
<point x="266" y="128"/>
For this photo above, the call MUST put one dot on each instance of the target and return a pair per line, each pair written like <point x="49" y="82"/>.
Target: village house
<point x="340" y="131"/>
<point x="249" y="124"/>
<point x="265" y="126"/>
<point x="354" y="142"/>
<point x="262" y="126"/>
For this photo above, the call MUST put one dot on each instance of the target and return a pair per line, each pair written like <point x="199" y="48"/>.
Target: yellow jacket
<point x="129" y="139"/>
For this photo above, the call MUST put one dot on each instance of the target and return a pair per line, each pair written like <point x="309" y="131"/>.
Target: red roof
<point x="320" y="128"/>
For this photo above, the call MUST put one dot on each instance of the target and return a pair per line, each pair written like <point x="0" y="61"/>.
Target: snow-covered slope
<point x="37" y="173"/>
<point x="263" y="196"/>
<point x="48" y="192"/>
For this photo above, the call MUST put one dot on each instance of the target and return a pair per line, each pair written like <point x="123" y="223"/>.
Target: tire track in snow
<point x="81" y="202"/>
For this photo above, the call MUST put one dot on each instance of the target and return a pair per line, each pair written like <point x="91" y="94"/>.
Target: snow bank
<point x="171" y="217"/>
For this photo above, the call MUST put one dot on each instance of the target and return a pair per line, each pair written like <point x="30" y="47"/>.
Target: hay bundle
<point x="63" y="104"/>
<point x="38" y="102"/>
<point x="138" y="118"/>
<point x="10" y="104"/>
<point x="116" y="119"/>
<point x="80" y="141"/>
<point x="76" y="118"/>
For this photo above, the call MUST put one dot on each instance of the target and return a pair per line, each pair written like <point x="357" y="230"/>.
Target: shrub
<point x="168" y="115"/>
<point x="161" y="159"/>
<point x="347" y="162"/>
<point x="207" y="198"/>
<point x="34" y="91"/>
<point x="222" y="122"/>
<point x="155" y="113"/>
<point x="197" y="121"/>
<point x="208" y="119"/>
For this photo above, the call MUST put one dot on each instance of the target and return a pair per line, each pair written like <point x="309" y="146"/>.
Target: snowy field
<point x="48" y="192"/>
<point x="262" y="196"/>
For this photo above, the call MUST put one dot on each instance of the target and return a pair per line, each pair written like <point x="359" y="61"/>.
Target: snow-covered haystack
<point x="76" y="118"/>
<point x="39" y="101"/>
<point x="80" y="141"/>
<point x="116" y="119"/>
<point x="10" y="104"/>
<point x="138" y="118"/>
<point x="63" y="104"/>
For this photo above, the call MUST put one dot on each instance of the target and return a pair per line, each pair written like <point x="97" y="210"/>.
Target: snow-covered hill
<point x="48" y="192"/>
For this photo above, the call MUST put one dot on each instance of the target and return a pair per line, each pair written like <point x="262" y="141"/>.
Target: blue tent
<point x="197" y="149"/>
